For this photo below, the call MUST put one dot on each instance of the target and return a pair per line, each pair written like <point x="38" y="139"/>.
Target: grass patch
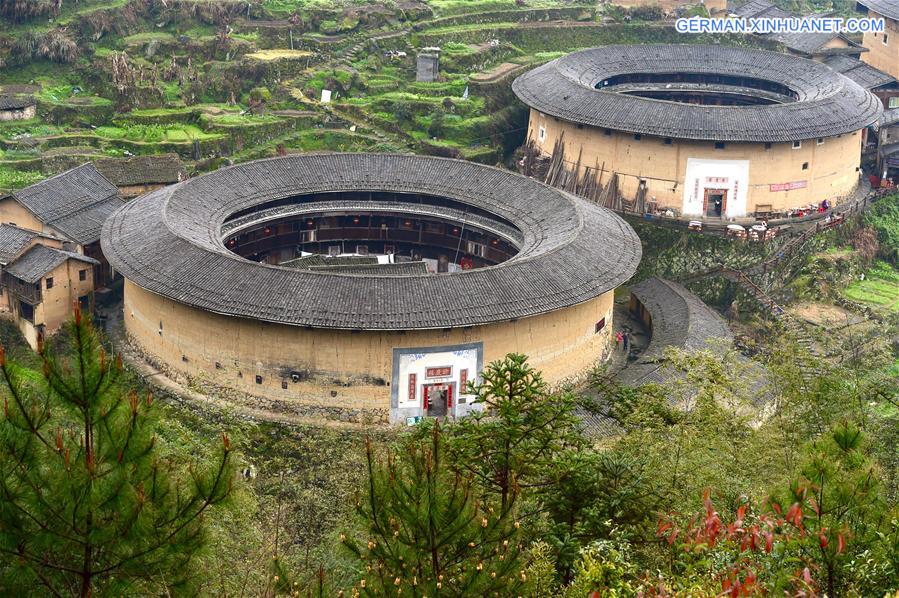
<point x="236" y="120"/>
<point x="879" y="289"/>
<point x="71" y="95"/>
<point x="11" y="179"/>
<point x="154" y="133"/>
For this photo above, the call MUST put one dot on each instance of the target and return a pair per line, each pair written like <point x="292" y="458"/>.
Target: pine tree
<point x="512" y="442"/>
<point x="428" y="531"/>
<point x="89" y="504"/>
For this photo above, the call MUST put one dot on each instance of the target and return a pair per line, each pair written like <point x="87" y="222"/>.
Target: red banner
<point x="439" y="372"/>
<point x="412" y="387"/>
<point x="788" y="186"/>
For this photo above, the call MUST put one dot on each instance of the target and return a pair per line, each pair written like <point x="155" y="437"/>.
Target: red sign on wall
<point x="412" y="382"/>
<point x="788" y="186"/>
<point x="463" y="381"/>
<point x="439" y="372"/>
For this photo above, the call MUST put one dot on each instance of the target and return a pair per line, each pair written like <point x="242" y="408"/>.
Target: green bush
<point x="884" y="218"/>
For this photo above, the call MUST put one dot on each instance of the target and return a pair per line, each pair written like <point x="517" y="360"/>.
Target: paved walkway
<point x="624" y="320"/>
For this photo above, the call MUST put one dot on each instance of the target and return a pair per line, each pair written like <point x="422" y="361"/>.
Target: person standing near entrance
<point x="626" y="337"/>
<point x="618" y="338"/>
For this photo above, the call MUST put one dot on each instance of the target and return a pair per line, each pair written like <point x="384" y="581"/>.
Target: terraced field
<point x="879" y="289"/>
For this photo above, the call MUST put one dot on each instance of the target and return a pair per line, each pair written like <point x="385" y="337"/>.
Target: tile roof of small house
<point x="75" y="203"/>
<point x="859" y="71"/>
<point x="41" y="260"/>
<point x="887" y="8"/>
<point x="162" y="169"/>
<point x="170" y="242"/>
<point x="16" y="102"/>
<point x="14" y="240"/>
<point x="807" y="43"/>
<point x="827" y="103"/>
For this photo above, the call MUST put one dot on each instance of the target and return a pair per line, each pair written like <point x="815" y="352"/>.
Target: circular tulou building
<point x="350" y="284"/>
<point x="710" y="131"/>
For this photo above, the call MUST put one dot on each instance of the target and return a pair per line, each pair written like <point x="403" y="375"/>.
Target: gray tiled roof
<point x="808" y="42"/>
<point x="15" y="102"/>
<point x="828" y="103"/>
<point x="679" y="319"/>
<point x="76" y="202"/>
<point x="887" y="8"/>
<point x="13" y="240"/>
<point x="170" y="243"/>
<point x="861" y="72"/>
<point x="40" y="260"/>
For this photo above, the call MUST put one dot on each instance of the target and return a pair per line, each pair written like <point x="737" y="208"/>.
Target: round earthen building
<point x="705" y="131"/>
<point x="366" y="283"/>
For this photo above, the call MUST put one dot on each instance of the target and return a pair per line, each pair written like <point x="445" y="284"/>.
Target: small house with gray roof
<point x="71" y="206"/>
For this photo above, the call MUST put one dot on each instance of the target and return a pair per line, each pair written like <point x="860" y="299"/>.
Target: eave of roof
<point x="887" y="8"/>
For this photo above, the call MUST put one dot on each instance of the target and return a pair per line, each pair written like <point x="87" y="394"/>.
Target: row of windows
<point x="719" y="144"/>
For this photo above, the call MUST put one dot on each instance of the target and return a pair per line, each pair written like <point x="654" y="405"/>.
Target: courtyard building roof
<point x="171" y="242"/>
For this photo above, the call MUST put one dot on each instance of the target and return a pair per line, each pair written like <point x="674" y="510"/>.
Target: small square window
<point x="820" y="141"/>
<point x="805" y="166"/>
<point x="894" y="102"/>
<point x="719" y="145"/>
<point x="541" y="133"/>
<point x="886" y="39"/>
<point x="607" y="132"/>
<point x="258" y="379"/>
<point x="638" y="137"/>
<point x="797" y="144"/>
<point x="82" y="274"/>
<point x="768" y="146"/>
<point x="49" y="282"/>
<point x="668" y="141"/>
